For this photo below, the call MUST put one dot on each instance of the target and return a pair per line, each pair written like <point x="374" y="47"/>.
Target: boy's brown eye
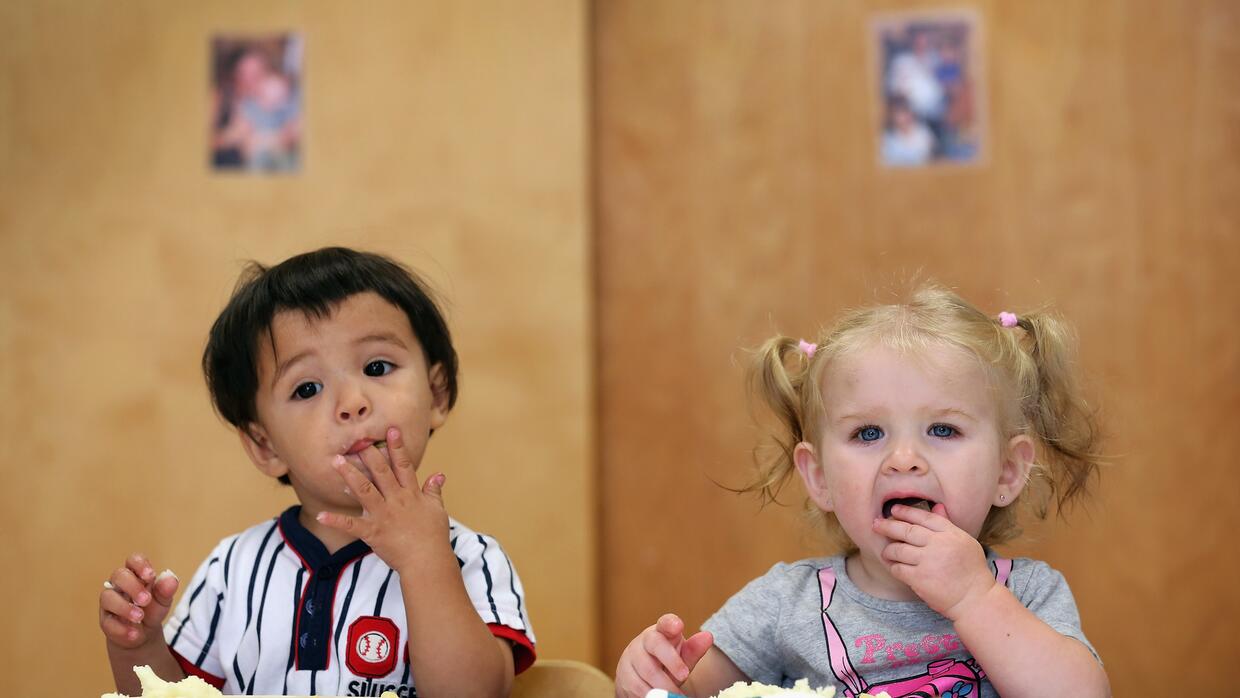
<point x="305" y="391"/>
<point x="378" y="368"/>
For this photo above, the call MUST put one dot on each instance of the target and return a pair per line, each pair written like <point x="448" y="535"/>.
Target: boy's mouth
<point x="915" y="502"/>
<point x="364" y="444"/>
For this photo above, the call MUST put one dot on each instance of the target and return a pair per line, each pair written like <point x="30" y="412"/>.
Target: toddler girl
<point x="918" y="431"/>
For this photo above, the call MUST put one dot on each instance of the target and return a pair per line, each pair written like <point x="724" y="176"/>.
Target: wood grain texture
<point x="737" y="194"/>
<point x="449" y="135"/>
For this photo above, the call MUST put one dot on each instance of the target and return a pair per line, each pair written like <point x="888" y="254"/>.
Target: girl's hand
<point x="399" y="519"/>
<point x="941" y="563"/>
<point x="134" y="603"/>
<point x="660" y="657"/>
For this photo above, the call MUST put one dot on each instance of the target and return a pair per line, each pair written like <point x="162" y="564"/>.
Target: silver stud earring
<point x="1003" y="498"/>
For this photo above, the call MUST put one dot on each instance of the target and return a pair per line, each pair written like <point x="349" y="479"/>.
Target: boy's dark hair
<point x="314" y="283"/>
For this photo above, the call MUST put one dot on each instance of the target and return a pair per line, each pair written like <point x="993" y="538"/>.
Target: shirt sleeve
<point x="746" y="628"/>
<point x="1043" y="590"/>
<point x="191" y="629"/>
<point x="496" y="592"/>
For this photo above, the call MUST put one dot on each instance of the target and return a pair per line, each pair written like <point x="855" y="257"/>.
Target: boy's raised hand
<point x="660" y="657"/>
<point x="399" y="519"/>
<point x="134" y="602"/>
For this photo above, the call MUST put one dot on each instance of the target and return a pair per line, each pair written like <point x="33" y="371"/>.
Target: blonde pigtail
<point x="1059" y="414"/>
<point x="777" y="385"/>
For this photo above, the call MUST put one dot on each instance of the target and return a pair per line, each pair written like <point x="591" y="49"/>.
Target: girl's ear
<point x="806" y="461"/>
<point x="1017" y="462"/>
<point x="258" y="447"/>
<point x="439" y="396"/>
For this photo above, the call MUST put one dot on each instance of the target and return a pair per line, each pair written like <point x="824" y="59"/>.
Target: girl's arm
<point x="661" y="657"/>
<point x="947" y="569"/>
<point x="713" y="673"/>
<point x="1022" y="655"/>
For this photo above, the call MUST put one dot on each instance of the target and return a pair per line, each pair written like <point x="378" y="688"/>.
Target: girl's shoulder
<point x="792" y="575"/>
<point x="1027" y="577"/>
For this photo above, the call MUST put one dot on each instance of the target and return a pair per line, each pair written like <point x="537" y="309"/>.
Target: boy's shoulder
<point x="466" y="539"/>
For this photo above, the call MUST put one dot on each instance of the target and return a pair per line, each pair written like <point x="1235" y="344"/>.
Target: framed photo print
<point x="929" y="80"/>
<point x="255" y="98"/>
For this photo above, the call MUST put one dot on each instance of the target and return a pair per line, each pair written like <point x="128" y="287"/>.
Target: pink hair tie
<point x="1007" y="319"/>
<point x="807" y="348"/>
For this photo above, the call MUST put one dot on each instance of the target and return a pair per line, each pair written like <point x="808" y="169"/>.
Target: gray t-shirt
<point x="776" y="631"/>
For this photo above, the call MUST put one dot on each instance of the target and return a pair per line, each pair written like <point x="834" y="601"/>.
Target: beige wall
<point x="450" y="135"/>
<point x="739" y="195"/>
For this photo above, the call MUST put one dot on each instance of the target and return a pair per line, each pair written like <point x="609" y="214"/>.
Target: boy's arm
<point x="1022" y="655"/>
<point x="132" y="608"/>
<point x="155" y="655"/>
<point x="451" y="651"/>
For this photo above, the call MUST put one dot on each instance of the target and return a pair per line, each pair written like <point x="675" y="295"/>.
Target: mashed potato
<point x="191" y="687"/>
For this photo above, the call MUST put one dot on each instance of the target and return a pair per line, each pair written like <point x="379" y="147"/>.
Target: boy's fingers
<point x="141" y="567"/>
<point x="163" y="590"/>
<point x="349" y="524"/>
<point x="402" y="464"/>
<point x="433" y="487"/>
<point x="127" y="584"/>
<point x="359" y="485"/>
<point x="117" y="630"/>
<point x="380" y="470"/>
<point x="165" y="587"/>
<point x="113" y="604"/>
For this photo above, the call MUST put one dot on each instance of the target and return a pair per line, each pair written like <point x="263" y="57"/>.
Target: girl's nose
<point x="905" y="459"/>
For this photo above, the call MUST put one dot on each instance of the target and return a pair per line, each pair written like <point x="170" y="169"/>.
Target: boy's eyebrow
<point x="382" y="337"/>
<point x="283" y="366"/>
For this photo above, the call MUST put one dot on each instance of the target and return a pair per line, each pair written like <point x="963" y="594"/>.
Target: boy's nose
<point x="357" y="412"/>
<point x="352" y="403"/>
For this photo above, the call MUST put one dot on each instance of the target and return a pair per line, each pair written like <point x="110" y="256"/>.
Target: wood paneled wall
<point x="450" y="135"/>
<point x="738" y="194"/>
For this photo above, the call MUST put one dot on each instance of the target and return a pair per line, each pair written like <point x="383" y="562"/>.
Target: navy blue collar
<point x="311" y="549"/>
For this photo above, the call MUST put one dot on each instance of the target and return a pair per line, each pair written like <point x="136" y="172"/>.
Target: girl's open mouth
<point x="916" y="502"/>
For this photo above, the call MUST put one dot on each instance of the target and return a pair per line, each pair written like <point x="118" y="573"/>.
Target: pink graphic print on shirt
<point x="943" y="678"/>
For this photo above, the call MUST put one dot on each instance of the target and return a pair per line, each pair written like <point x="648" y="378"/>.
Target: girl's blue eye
<point x="378" y="368"/>
<point x="943" y="431"/>
<point x="305" y="391"/>
<point x="869" y="433"/>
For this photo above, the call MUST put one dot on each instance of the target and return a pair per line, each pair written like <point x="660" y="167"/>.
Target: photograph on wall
<point x="930" y="101"/>
<point x="256" y="110"/>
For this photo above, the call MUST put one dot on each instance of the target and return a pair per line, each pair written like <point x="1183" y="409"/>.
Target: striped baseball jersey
<point x="271" y="612"/>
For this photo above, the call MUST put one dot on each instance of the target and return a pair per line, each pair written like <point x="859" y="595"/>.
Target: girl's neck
<point x="873" y="577"/>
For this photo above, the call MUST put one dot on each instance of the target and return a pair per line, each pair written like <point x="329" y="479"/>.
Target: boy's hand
<point x="941" y="563"/>
<point x="660" y="657"/>
<point x="134" y="603"/>
<point x="398" y="519"/>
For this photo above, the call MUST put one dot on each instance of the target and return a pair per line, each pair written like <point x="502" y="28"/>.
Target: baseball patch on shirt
<point x="372" y="646"/>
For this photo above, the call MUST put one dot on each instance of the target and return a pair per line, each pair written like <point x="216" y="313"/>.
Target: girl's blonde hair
<point x="1030" y="366"/>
